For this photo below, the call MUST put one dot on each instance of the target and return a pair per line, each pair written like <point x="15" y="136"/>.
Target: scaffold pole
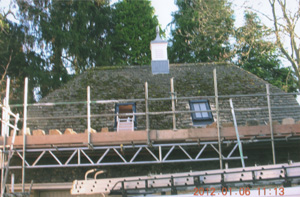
<point x="147" y="113"/>
<point x="271" y="122"/>
<point x="24" y="132"/>
<point x="237" y="133"/>
<point x="218" y="118"/>
<point x="173" y="102"/>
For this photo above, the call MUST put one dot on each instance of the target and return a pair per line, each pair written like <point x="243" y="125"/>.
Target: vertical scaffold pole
<point x="147" y="113"/>
<point x="7" y="104"/>
<point x="9" y="155"/>
<point x="173" y="102"/>
<point x="270" y="122"/>
<point x="7" y="91"/>
<point x="24" y="131"/>
<point x="4" y="131"/>
<point x="12" y="183"/>
<point x="237" y="133"/>
<point x="5" y="114"/>
<point x="4" y="144"/>
<point x="89" y="115"/>
<point x="218" y="119"/>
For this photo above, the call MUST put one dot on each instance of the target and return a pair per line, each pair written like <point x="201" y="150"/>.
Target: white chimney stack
<point x="159" y="55"/>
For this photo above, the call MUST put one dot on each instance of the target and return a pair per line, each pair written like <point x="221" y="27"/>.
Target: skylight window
<point x="125" y="122"/>
<point x="201" y="116"/>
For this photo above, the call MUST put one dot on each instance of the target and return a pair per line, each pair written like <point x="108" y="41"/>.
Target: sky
<point x="163" y="10"/>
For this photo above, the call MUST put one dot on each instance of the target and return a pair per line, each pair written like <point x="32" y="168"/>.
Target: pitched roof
<point x="108" y="83"/>
<point x="190" y="79"/>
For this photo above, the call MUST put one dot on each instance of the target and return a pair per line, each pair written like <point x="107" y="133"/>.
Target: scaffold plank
<point x="139" y="137"/>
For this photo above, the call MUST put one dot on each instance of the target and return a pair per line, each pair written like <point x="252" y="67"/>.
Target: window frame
<point x="117" y="111"/>
<point x="201" y="121"/>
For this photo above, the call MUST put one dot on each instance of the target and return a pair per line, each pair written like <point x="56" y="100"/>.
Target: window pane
<point x="203" y="107"/>
<point x="197" y="108"/>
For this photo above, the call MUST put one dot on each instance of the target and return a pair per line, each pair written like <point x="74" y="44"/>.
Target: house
<point x="167" y="120"/>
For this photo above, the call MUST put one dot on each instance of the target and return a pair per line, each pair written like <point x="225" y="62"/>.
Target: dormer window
<point x="201" y="117"/>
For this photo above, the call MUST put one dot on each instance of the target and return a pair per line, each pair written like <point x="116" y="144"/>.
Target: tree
<point x="17" y="63"/>
<point x="259" y="56"/>
<point x="286" y="27"/>
<point x="134" y="25"/>
<point x="201" y="31"/>
<point x="70" y="35"/>
<point x="5" y="55"/>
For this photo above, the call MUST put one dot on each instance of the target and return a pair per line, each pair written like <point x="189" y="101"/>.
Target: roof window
<point x="201" y="116"/>
<point x="123" y="121"/>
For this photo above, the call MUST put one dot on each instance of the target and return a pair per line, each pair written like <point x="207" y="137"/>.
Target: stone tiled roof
<point x="189" y="80"/>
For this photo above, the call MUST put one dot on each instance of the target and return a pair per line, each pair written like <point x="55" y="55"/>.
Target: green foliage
<point x="78" y="35"/>
<point x="259" y="56"/>
<point x="17" y="63"/>
<point x="134" y="25"/>
<point x="71" y="35"/>
<point x="201" y="31"/>
<point x="76" y="32"/>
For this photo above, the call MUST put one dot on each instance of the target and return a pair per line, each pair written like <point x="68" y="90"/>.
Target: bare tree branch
<point x="6" y="67"/>
<point x="257" y="11"/>
<point x="290" y="29"/>
<point x="8" y="13"/>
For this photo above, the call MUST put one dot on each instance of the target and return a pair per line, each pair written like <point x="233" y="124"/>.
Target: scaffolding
<point x="158" y="152"/>
<point x="213" y="182"/>
<point x="8" y="152"/>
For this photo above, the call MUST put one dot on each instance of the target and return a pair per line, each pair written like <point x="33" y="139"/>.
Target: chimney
<point x="159" y="55"/>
